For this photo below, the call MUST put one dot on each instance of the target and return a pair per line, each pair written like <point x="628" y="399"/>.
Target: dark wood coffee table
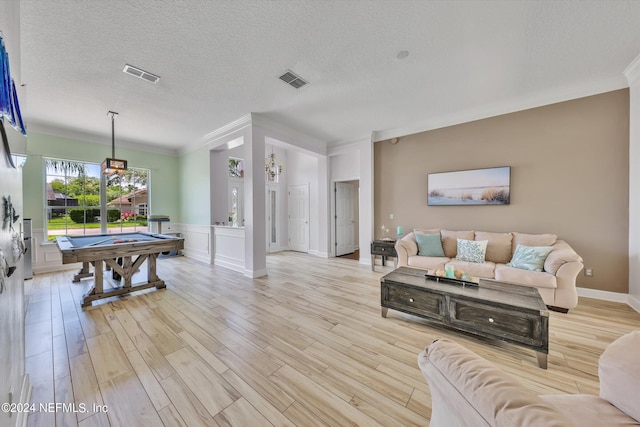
<point x="509" y="312"/>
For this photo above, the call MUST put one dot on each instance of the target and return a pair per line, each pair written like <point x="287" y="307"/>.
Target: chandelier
<point x="112" y="166"/>
<point x="272" y="170"/>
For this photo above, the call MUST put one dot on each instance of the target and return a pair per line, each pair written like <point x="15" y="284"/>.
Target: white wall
<point x="346" y="166"/>
<point x="12" y="303"/>
<point x="633" y="75"/>
<point x="351" y="162"/>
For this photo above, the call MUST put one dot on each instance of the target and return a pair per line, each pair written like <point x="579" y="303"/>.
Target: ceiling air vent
<point x="141" y="74"/>
<point x="293" y="79"/>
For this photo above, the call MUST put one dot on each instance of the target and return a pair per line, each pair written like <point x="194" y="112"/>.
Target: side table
<point x="384" y="248"/>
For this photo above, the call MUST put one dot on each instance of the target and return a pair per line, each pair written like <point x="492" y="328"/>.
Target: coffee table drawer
<point x="511" y="325"/>
<point x="413" y="301"/>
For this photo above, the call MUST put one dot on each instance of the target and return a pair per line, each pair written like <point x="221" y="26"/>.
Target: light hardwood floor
<point x="305" y="346"/>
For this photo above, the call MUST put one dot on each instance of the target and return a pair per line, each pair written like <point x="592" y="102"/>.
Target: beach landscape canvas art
<point x="489" y="186"/>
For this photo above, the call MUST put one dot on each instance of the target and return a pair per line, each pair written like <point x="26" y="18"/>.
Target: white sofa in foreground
<point x="556" y="282"/>
<point x="467" y="390"/>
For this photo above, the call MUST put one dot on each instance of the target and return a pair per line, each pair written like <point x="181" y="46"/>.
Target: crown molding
<point x="212" y="137"/>
<point x="511" y="106"/>
<point x="632" y="72"/>
<point x="289" y="135"/>
<point x="76" y="135"/>
<point x="342" y="147"/>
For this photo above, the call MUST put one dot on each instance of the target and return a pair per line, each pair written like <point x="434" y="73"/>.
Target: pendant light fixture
<point x="111" y="165"/>
<point x="272" y="170"/>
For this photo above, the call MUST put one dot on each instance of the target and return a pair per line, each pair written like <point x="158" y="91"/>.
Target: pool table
<point x="117" y="251"/>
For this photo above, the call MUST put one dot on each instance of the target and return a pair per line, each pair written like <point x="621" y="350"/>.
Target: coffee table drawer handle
<point x="490" y="319"/>
<point x="410" y="299"/>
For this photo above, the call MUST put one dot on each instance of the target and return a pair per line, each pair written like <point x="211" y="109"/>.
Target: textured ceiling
<point x="219" y="60"/>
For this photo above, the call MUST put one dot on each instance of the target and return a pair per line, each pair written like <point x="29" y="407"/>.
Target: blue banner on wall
<point x="9" y="106"/>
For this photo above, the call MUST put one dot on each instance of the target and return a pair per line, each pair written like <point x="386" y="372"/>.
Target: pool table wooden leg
<point x="151" y="272"/>
<point x="85" y="271"/>
<point x="98" y="285"/>
<point x="128" y="273"/>
<point x="98" y="277"/>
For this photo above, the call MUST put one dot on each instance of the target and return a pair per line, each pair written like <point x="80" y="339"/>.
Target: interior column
<point x="255" y="243"/>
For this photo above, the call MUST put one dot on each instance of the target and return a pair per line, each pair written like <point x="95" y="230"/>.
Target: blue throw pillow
<point x="530" y="258"/>
<point x="429" y="244"/>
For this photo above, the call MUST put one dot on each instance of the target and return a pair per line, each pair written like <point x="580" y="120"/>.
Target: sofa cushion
<point x="619" y="373"/>
<point x="426" y="230"/>
<point x="450" y="241"/>
<point x="504" y="273"/>
<point x="530" y="257"/>
<point x="532" y="240"/>
<point x="471" y="250"/>
<point x="479" y="385"/>
<point x="427" y="262"/>
<point x="485" y="269"/>
<point x="586" y="410"/>
<point x="561" y="253"/>
<point x="499" y="246"/>
<point x="429" y="244"/>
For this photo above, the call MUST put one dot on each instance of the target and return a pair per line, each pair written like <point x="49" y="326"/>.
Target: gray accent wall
<point x="569" y="176"/>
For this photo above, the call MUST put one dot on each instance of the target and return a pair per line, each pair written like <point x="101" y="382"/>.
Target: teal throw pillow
<point x="530" y="257"/>
<point x="429" y="244"/>
<point x="472" y="250"/>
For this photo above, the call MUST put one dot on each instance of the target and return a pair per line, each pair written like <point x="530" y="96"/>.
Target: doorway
<point x="346" y="218"/>
<point x="299" y="218"/>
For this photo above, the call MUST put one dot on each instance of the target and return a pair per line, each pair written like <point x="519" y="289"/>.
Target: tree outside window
<point x="128" y="194"/>
<point x="73" y="199"/>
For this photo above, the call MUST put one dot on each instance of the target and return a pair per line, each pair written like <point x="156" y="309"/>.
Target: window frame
<point x="66" y="176"/>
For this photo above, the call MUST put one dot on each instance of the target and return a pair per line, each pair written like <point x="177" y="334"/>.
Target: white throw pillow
<point x="472" y="250"/>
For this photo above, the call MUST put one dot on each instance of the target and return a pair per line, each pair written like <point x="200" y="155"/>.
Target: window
<point x="73" y="199"/>
<point x="236" y="199"/>
<point x="236" y="196"/>
<point x="127" y="197"/>
<point x="236" y="168"/>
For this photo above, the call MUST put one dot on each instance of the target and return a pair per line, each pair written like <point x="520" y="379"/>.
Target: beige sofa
<point x="467" y="390"/>
<point x="556" y="283"/>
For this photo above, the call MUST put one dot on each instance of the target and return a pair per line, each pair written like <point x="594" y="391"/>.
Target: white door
<point x="273" y="241"/>
<point x="345" y="218"/>
<point x="299" y="218"/>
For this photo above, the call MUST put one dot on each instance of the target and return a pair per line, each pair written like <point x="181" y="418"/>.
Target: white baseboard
<point x="634" y="303"/>
<point x="255" y="273"/>
<point x="365" y="260"/>
<point x="197" y="255"/>
<point x="319" y="254"/>
<point x="228" y="264"/>
<point x="603" y="295"/>
<point x="610" y="296"/>
<point x="53" y="268"/>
